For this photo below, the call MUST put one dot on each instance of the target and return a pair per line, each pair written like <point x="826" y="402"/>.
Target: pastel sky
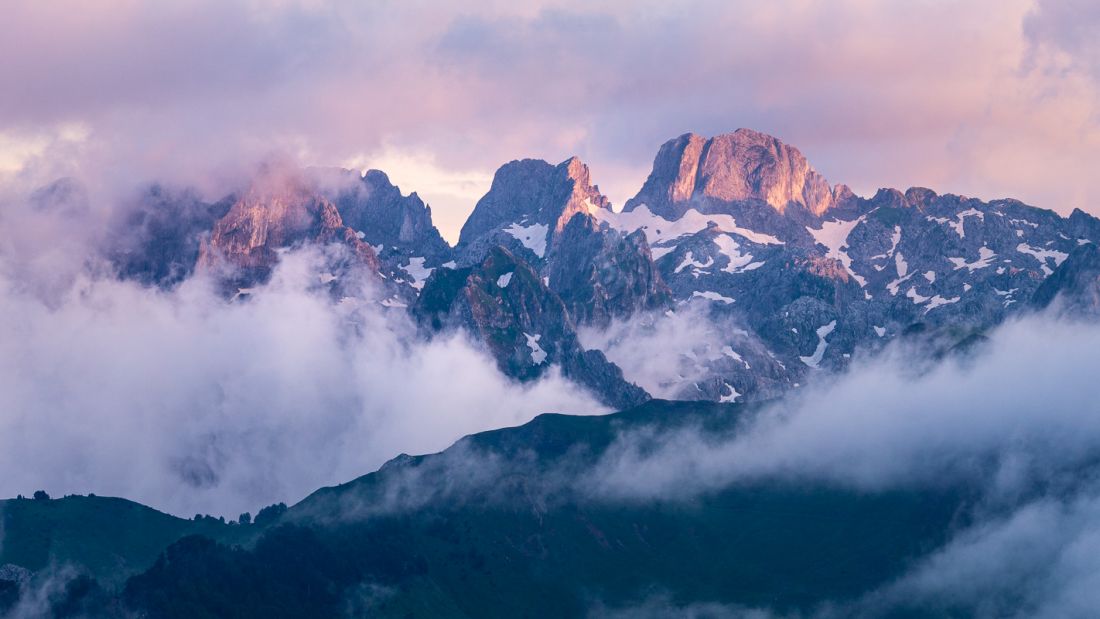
<point x="989" y="98"/>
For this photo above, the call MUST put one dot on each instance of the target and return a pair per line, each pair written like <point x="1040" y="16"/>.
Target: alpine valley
<point x="778" y="284"/>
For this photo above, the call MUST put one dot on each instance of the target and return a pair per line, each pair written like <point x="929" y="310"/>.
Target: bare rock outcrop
<point x="734" y="167"/>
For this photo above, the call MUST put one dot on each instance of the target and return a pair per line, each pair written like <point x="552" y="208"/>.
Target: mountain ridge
<point x="739" y="228"/>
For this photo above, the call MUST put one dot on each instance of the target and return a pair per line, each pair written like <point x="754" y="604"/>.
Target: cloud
<point x="1063" y="32"/>
<point x="190" y="404"/>
<point x="1038" y="561"/>
<point x="669" y="354"/>
<point x="1027" y="406"/>
<point x="968" y="97"/>
<point x="1018" y="423"/>
<point x="657" y="351"/>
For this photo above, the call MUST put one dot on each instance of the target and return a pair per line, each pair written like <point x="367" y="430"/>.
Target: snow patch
<point x="689" y="261"/>
<point x="938" y="301"/>
<point x="732" y="249"/>
<point x="732" y="354"/>
<point x="712" y="296"/>
<point x="733" y="395"/>
<point x="416" y="270"/>
<point x="658" y="229"/>
<point x="1042" y="255"/>
<point x="985" y="256"/>
<point x="895" y="238"/>
<point x="504" y="280"/>
<point x="659" y="252"/>
<point x="879" y="331"/>
<point x="834" y="236"/>
<point x="538" y="355"/>
<point x="819" y="353"/>
<point x="900" y="264"/>
<point x="893" y="286"/>
<point x="533" y="237"/>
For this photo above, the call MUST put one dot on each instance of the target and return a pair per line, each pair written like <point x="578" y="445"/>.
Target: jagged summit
<point x="533" y="200"/>
<point x="371" y="204"/>
<point x="734" y="167"/>
<point x="280" y="208"/>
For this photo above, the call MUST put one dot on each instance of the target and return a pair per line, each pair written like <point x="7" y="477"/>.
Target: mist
<point x="188" y="403"/>
<point x="656" y="351"/>
<point x="1018" y="420"/>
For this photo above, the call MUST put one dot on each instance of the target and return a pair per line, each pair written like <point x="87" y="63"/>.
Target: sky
<point x="988" y="98"/>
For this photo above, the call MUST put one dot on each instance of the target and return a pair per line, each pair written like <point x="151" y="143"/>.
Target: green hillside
<point x="111" y="538"/>
<point x="520" y="541"/>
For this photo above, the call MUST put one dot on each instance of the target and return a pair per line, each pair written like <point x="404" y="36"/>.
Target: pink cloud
<point x="985" y="98"/>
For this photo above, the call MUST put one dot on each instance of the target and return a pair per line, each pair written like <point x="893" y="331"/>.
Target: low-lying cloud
<point x="658" y="351"/>
<point x="188" y="403"/>
<point x="1019" y="422"/>
<point x="1028" y="404"/>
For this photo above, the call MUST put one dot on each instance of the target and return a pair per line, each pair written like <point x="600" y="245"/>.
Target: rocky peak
<point x="531" y="192"/>
<point x="370" y="204"/>
<point x="734" y="167"/>
<point x="602" y="274"/>
<point x="282" y="207"/>
<point x="527" y="328"/>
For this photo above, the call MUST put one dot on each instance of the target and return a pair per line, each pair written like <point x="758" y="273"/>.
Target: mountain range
<point x="797" y="278"/>
<point x="738" y="227"/>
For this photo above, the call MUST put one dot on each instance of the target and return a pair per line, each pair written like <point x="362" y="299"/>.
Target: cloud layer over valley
<point x="189" y="403"/>
<point x="1017" y="421"/>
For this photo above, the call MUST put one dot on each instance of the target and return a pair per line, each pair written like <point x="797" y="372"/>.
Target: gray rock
<point x="281" y="209"/>
<point x="530" y="197"/>
<point x="1074" y="287"/>
<point x="734" y="167"/>
<point x="504" y="303"/>
<point x="603" y="274"/>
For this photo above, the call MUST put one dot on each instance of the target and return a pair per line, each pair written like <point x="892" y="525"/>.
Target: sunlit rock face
<point x="504" y="303"/>
<point x="528" y="205"/>
<point x="736" y="260"/>
<point x="732" y="167"/>
<point x="281" y="209"/>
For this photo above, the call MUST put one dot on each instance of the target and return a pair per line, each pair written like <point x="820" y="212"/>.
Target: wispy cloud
<point x="187" y="403"/>
<point x="985" y="98"/>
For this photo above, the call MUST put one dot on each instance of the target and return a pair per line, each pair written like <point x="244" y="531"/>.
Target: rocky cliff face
<point x="528" y="205"/>
<point x="733" y="167"/>
<point x="398" y="227"/>
<point x="833" y="276"/>
<point x="602" y="274"/>
<point x="504" y="303"/>
<point x="280" y="210"/>
<point x="161" y="233"/>
<point x="371" y="204"/>
<point x="1073" y="289"/>
<point x="736" y="230"/>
